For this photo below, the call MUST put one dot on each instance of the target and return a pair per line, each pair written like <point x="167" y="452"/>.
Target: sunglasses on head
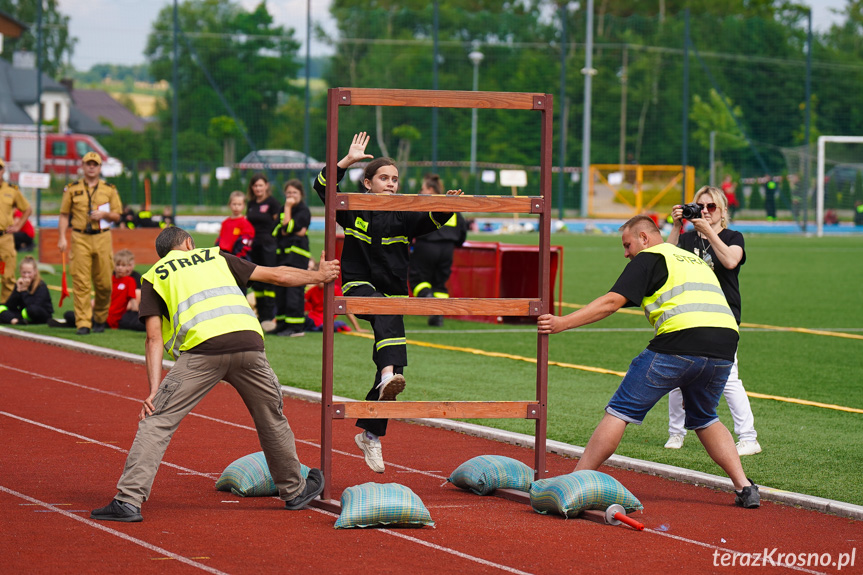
<point x="709" y="207"/>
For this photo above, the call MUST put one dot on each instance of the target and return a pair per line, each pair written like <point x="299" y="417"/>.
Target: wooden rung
<point x="330" y="505"/>
<point x="512" y="495"/>
<point x="428" y="409"/>
<point x="441" y="203"/>
<point x="441" y="99"/>
<point x="513" y="307"/>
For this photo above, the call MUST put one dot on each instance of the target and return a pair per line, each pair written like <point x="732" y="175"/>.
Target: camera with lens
<point x="691" y="211"/>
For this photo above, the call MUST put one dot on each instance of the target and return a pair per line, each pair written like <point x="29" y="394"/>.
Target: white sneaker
<point x="675" y="441"/>
<point x="372" y="451"/>
<point x="393" y="386"/>
<point x="748" y="447"/>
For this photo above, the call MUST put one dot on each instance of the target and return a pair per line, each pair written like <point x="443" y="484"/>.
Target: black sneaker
<point x="83" y="331"/>
<point x="314" y="486"/>
<point x="748" y="497"/>
<point x="435" y="321"/>
<point x="98" y="327"/>
<point x="53" y="322"/>
<point x="118" y="511"/>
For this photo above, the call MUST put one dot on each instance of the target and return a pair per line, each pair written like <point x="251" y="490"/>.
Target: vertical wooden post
<point x="329" y="292"/>
<point x="547" y="107"/>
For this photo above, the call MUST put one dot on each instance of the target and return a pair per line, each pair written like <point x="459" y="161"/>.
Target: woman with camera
<point x="722" y="249"/>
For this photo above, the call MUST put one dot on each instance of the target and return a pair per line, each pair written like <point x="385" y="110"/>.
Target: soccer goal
<point x="821" y="174"/>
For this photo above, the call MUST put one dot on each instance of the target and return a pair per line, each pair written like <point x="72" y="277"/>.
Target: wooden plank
<point x="330" y="505"/>
<point x="513" y="307"/>
<point x="428" y="409"/>
<point x="512" y="495"/>
<point x="441" y="99"/>
<point x="441" y="203"/>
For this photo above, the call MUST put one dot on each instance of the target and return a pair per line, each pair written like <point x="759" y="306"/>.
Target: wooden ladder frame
<point x="541" y="205"/>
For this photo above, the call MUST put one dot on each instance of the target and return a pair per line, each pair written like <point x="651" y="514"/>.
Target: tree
<point x="57" y="43"/>
<point x="714" y="116"/>
<point x="248" y="58"/>
<point x="388" y="44"/>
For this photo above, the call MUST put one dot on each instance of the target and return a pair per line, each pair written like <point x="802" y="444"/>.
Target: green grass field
<point x="787" y="281"/>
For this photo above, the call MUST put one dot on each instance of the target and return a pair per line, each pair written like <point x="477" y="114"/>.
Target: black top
<point x="642" y="277"/>
<point x="264" y="217"/>
<point x="285" y="240"/>
<point x="456" y="235"/>
<point x="376" y="248"/>
<point x="728" y="280"/>
<point x="153" y="304"/>
<point x="38" y="304"/>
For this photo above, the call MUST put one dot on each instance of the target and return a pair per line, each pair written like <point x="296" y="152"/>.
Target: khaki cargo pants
<point x="191" y="378"/>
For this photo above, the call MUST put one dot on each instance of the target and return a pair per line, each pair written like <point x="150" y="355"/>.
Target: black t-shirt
<point x="643" y="276"/>
<point x="728" y="279"/>
<point x="153" y="304"/>
<point x="264" y="217"/>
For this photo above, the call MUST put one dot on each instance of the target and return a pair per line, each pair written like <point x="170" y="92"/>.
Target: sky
<point x="115" y="31"/>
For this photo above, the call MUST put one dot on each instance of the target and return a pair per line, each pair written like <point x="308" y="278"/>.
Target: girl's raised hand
<point x="357" y="151"/>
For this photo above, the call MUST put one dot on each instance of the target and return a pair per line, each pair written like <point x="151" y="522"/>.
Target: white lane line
<point x="120" y="534"/>
<point x="208" y="418"/>
<point x="108" y="445"/>
<point x="192" y="472"/>
<point x="694" y="542"/>
<point x="732" y="551"/>
<point x="434" y="546"/>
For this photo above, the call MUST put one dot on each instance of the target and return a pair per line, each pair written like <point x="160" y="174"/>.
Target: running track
<point x="67" y="419"/>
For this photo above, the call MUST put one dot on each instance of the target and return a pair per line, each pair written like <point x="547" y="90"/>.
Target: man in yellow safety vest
<point x="693" y="348"/>
<point x="193" y="305"/>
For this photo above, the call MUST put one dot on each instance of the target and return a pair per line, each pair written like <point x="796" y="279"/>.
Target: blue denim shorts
<point x="652" y="375"/>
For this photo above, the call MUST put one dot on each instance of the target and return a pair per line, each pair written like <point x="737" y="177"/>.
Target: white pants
<point x="738" y="404"/>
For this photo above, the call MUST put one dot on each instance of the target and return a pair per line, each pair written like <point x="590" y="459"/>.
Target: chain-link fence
<point x="241" y="88"/>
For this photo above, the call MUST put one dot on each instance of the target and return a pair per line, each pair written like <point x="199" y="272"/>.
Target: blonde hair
<point x="237" y="194"/>
<point x="125" y="257"/>
<point x="718" y="197"/>
<point x="37" y="277"/>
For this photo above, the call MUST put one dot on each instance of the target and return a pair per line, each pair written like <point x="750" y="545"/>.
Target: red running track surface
<point x="67" y="419"/>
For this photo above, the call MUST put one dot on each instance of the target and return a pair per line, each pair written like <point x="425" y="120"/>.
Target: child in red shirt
<point x="314" y="308"/>
<point x="237" y="233"/>
<point x="24" y="236"/>
<point x="125" y="294"/>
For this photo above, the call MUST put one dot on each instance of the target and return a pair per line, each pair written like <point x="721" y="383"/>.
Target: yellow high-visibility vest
<point x="203" y="299"/>
<point x="691" y="297"/>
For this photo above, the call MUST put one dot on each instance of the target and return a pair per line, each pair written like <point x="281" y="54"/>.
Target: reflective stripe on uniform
<point x="350" y="285"/>
<point x="197" y="298"/>
<point x="389" y="342"/>
<point x="691" y="296"/>
<point x="394" y="240"/>
<point x="202" y="317"/>
<point x="359" y="235"/>
<point x="690" y="308"/>
<point x="678" y="290"/>
<point x="434" y="221"/>
<point x="420" y="287"/>
<point x="202" y="297"/>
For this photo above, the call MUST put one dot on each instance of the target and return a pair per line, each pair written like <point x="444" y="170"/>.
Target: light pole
<point x="475" y="57"/>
